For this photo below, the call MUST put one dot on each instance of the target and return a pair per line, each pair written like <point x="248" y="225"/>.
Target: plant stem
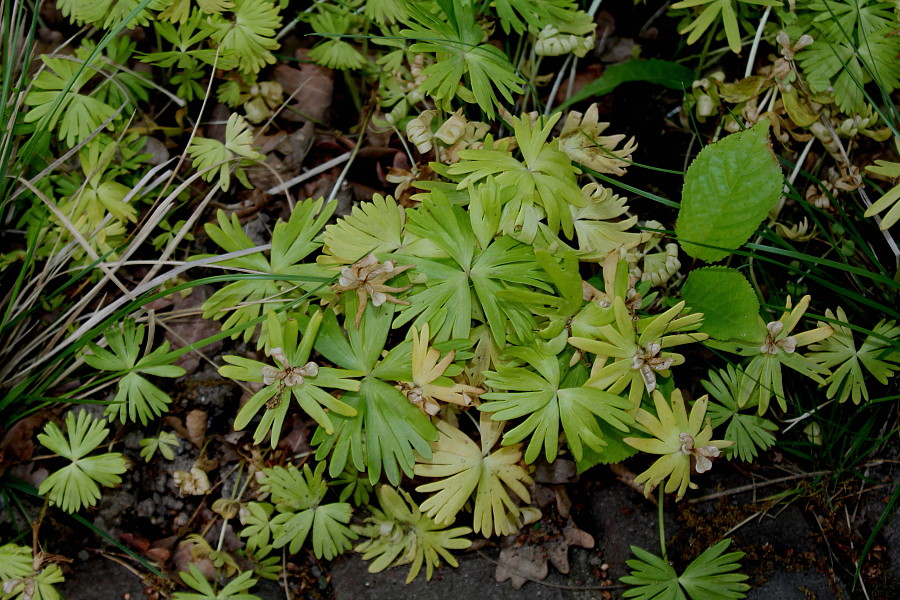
<point x="662" y="526"/>
<point x="755" y="47"/>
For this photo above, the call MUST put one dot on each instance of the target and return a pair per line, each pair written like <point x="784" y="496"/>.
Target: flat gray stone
<point x="803" y="585"/>
<point x="474" y="578"/>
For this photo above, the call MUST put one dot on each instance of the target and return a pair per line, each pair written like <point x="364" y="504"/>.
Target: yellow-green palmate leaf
<point x="258" y="527"/>
<point x="460" y="56"/>
<point x="137" y="399"/>
<point x="629" y="354"/>
<point x="76" y="484"/>
<point x="377" y="227"/>
<point x="681" y="441"/>
<point x="78" y="115"/>
<point x="713" y="9"/>
<point x="554" y="395"/>
<point x="217" y="159"/>
<point x="544" y="178"/>
<point x="772" y="346"/>
<point x="878" y="355"/>
<point x="248" y="33"/>
<point x="463" y="468"/>
<point x="108" y="13"/>
<point x="292" y="241"/>
<point x="467" y="285"/>
<point x="22" y="579"/>
<point x="298" y="497"/>
<point x="387" y="430"/>
<point x="399" y="534"/>
<point x="293" y="375"/>
<point x="891" y="198"/>
<point x="334" y="53"/>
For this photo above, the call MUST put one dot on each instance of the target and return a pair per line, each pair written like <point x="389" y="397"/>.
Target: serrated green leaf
<point x="729" y="305"/>
<point x="728" y="190"/>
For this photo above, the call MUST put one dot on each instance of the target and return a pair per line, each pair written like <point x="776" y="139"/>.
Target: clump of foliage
<point x="504" y="306"/>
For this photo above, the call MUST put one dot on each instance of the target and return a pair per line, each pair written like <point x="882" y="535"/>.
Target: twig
<point x="753" y="486"/>
<point x="311" y="173"/>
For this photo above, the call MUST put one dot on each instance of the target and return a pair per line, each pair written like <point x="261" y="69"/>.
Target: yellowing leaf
<point x="581" y="138"/>
<point x="465" y="468"/>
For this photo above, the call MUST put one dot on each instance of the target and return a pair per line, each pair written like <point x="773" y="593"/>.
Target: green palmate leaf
<point x="728" y="190"/>
<point x="630" y="353"/>
<point x="237" y="152"/>
<point x="680" y="440"/>
<point x="663" y="72"/>
<point x="180" y="11"/>
<point x="727" y="9"/>
<point x="651" y="578"/>
<point x="377" y="227"/>
<point x="137" y="399"/>
<point x="729" y="305"/>
<point x="236" y="589"/>
<point x="399" y="534"/>
<point x="891" y="199"/>
<point x="79" y="114"/>
<point x="387" y="428"/>
<point x="334" y="53"/>
<point x="184" y="38"/>
<point x="298" y="499"/>
<point x="461" y="55"/>
<point x="76" y="484"/>
<point x="20" y="581"/>
<point x="258" y="527"/>
<point x="878" y="355"/>
<point x="544" y="179"/>
<point x="532" y="14"/>
<point x="248" y="33"/>
<point x="467" y="285"/>
<point x="292" y="241"/>
<point x="842" y="67"/>
<point x="353" y="483"/>
<point x="854" y="42"/>
<point x="749" y="432"/>
<point x="772" y="346"/>
<point x="293" y="375"/>
<point x="557" y="308"/>
<point x="549" y="398"/>
<point x="464" y="468"/>
<point x="710" y="576"/>
<point x="165" y="443"/>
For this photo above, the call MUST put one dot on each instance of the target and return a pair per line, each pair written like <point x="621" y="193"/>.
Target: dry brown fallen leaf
<point x="195" y="424"/>
<point x="527" y="561"/>
<point x="311" y="87"/>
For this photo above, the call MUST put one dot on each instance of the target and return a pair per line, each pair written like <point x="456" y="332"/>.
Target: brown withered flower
<point x="369" y="278"/>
